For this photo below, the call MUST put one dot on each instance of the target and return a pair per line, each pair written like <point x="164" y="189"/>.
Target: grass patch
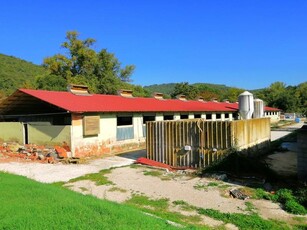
<point x="117" y="189"/>
<point x="144" y="201"/>
<point x="153" y="173"/>
<point x="250" y="207"/>
<point x="184" y="205"/>
<point x="242" y="221"/>
<point x="99" y="178"/>
<point x="213" y="184"/>
<point x="285" y="197"/>
<point x="200" y="187"/>
<point x="135" y="166"/>
<point x="159" y="207"/>
<point x="27" y="204"/>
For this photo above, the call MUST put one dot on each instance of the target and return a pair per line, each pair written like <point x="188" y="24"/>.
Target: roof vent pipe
<point x="214" y="99"/>
<point x="125" y="93"/>
<point x="246" y="105"/>
<point x="81" y="90"/>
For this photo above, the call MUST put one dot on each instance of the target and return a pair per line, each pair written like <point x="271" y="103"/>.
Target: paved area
<point x="49" y="173"/>
<point x="284" y="131"/>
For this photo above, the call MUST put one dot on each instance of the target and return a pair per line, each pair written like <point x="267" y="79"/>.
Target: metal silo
<point x="246" y="105"/>
<point x="258" y="108"/>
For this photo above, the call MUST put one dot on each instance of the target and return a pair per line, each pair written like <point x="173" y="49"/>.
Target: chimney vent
<point x="125" y="93"/>
<point x="157" y="95"/>
<point x="80" y="90"/>
<point x="181" y="97"/>
<point x="200" y="99"/>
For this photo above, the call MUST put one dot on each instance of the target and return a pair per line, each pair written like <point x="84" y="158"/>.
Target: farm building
<point x="95" y="124"/>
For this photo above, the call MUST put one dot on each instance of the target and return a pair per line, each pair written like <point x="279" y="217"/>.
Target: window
<point x="218" y="116"/>
<point x="197" y="115"/>
<point x="124" y="129"/>
<point x="168" y="117"/>
<point x="121" y="121"/>
<point x="184" y="116"/>
<point x="209" y="117"/>
<point x="226" y="115"/>
<point x="148" y="118"/>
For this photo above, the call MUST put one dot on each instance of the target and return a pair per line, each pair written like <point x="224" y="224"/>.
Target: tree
<point x="302" y="95"/>
<point x="101" y="71"/>
<point x="191" y="92"/>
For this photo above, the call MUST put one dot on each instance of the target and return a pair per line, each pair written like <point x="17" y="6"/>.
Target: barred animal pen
<point x="198" y="143"/>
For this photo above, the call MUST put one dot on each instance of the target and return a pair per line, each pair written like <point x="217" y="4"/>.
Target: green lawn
<point x="27" y="204"/>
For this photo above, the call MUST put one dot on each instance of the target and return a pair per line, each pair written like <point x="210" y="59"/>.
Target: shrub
<point x="284" y="195"/>
<point x="293" y="207"/>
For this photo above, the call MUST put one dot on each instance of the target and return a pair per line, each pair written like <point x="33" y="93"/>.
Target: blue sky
<point x="248" y="44"/>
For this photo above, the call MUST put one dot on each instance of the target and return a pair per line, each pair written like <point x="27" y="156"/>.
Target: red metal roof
<point x="114" y="103"/>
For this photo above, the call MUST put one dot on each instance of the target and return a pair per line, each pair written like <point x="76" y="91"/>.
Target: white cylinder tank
<point x="246" y="105"/>
<point x="258" y="108"/>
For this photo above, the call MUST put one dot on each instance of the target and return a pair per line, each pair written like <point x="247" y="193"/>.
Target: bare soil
<point x="195" y="191"/>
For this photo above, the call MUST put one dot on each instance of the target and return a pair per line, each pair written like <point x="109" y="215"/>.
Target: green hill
<point x="16" y="73"/>
<point x="167" y="89"/>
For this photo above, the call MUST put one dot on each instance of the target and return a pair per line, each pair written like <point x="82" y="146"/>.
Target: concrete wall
<point x="248" y="133"/>
<point x="11" y="132"/>
<point x="46" y="134"/>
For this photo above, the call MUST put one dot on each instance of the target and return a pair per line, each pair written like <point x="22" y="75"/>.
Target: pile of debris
<point x="38" y="153"/>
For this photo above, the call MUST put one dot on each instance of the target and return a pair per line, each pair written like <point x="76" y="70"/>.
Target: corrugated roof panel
<point x="114" y="103"/>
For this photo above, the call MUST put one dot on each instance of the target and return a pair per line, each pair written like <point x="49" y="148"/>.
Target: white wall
<point x="275" y="116"/>
<point x="138" y="126"/>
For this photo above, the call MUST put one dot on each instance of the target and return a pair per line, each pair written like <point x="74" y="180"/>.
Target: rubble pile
<point x="37" y="153"/>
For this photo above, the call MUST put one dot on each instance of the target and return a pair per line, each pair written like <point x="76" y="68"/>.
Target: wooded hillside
<point x="16" y="73"/>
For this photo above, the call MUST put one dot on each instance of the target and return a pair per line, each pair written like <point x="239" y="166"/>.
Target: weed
<point x="153" y="173"/>
<point x="159" y="208"/>
<point x="261" y="194"/>
<point x="184" y="205"/>
<point x="213" y="184"/>
<point x="242" y="221"/>
<point x="99" y="177"/>
<point x="224" y="186"/>
<point x="180" y="202"/>
<point x="83" y="189"/>
<point x="142" y="201"/>
<point x="293" y="207"/>
<point x="113" y="189"/>
<point x="200" y="187"/>
<point x="135" y="166"/>
<point x="285" y="197"/>
<point x="249" y="207"/>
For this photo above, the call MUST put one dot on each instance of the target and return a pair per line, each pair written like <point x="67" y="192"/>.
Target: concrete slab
<point x="49" y="173"/>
